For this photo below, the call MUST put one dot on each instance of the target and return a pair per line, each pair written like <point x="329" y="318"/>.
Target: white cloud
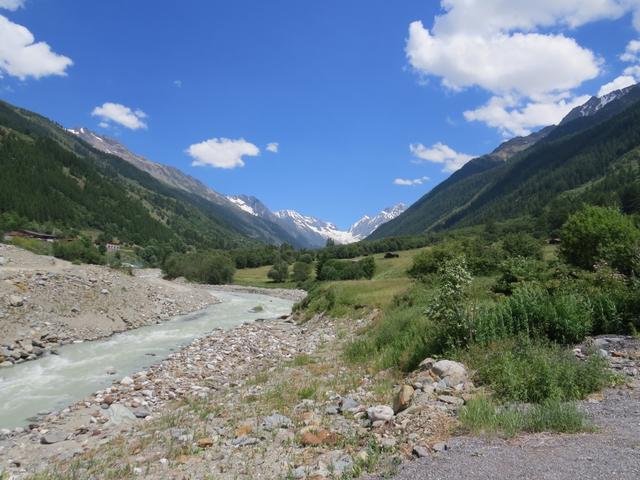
<point x="22" y="57"/>
<point x="222" y="152"/>
<point x="521" y="63"/>
<point x="631" y="51"/>
<point x="513" y="117"/>
<point x="439" y="153"/>
<point x="509" y="48"/>
<point x="120" y="114"/>
<point x="410" y="182"/>
<point x="618" y="83"/>
<point x="273" y="147"/>
<point x="12" y="4"/>
<point x="178" y="83"/>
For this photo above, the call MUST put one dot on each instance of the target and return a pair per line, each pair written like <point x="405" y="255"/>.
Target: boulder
<point x="382" y="413"/>
<point x="119" y="414"/>
<point x="126" y="381"/>
<point x="420" y="451"/>
<point x="275" y="421"/>
<point x="403" y="398"/>
<point x="452" y="373"/>
<point x="52" y="437"/>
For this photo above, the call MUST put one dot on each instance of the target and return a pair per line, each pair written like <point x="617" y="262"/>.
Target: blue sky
<point x="367" y="106"/>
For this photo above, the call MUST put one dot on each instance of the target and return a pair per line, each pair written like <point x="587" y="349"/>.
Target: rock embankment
<point x="46" y="302"/>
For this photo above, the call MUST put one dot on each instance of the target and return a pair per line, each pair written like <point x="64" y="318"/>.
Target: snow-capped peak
<point x="595" y="104"/>
<point x="367" y="225"/>
<point x="239" y="202"/>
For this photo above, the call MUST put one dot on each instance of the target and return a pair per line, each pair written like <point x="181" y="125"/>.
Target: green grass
<point x="525" y="371"/>
<point x="482" y="416"/>
<point x="257" y="277"/>
<point x="34" y="245"/>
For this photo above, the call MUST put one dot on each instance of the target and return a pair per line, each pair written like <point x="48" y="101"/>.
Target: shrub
<point x="565" y="317"/>
<point x="522" y="245"/>
<point x="333" y="270"/>
<point x="301" y="271"/>
<point x="212" y="268"/>
<point x="429" y="261"/>
<point x="516" y="271"/>
<point x="449" y="310"/>
<point x="80" y="250"/>
<point x="597" y="234"/>
<point x="279" y="272"/>
<point x="534" y="372"/>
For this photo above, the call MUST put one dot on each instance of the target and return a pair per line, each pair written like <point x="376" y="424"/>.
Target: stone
<point x="126" y="381"/>
<point x="349" y="404"/>
<point x="318" y="437"/>
<point x="382" y="413"/>
<point x="119" y="414"/>
<point x="104" y="291"/>
<point x="141" y="412"/>
<point x="388" y="443"/>
<point x="331" y="410"/>
<point x="16" y="301"/>
<point x="2" y="261"/>
<point x="439" y="447"/>
<point x="52" y="437"/>
<point x="452" y="373"/>
<point x="275" y="421"/>
<point x="244" y="441"/>
<point x="6" y="363"/>
<point x="451" y="400"/>
<point x="205" y="442"/>
<point x="403" y="398"/>
<point x="420" y="451"/>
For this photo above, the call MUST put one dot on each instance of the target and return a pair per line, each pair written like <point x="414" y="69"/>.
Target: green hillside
<point x="52" y="180"/>
<point x="548" y="180"/>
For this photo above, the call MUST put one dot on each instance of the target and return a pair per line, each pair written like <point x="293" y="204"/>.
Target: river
<point x="56" y="381"/>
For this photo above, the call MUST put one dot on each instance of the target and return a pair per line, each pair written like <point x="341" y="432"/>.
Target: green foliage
<point x="564" y="317"/>
<point x="482" y="415"/>
<point x="522" y="245"/>
<point x="280" y="271"/>
<point x="36" y="246"/>
<point x="331" y="269"/>
<point x="533" y="372"/>
<point x="301" y="271"/>
<point x="80" y="250"/>
<point x="449" y="309"/>
<point x="597" y="234"/>
<point x="213" y="268"/>
<point x="516" y="271"/>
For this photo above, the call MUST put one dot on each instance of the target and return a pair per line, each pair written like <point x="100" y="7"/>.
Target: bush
<point x="522" y="245"/>
<point x="333" y="270"/>
<point x="301" y="271"/>
<point x="279" y="272"/>
<point x="564" y="317"/>
<point x="533" y="372"/>
<point x="80" y="250"/>
<point x="597" y="234"/>
<point x="213" y="268"/>
<point x="429" y="261"/>
<point x="516" y="271"/>
<point x="481" y="415"/>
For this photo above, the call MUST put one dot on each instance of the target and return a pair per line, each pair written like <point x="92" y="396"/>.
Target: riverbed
<point x="55" y="381"/>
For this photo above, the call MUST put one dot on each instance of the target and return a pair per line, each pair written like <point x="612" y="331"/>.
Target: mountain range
<point x="590" y="156"/>
<point x="302" y="230"/>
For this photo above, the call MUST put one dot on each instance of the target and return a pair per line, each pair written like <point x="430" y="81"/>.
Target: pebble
<point x="382" y="413"/>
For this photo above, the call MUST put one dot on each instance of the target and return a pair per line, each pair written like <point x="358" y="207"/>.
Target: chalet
<point x="31" y="234"/>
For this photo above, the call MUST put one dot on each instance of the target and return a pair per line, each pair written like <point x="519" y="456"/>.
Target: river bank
<point x="46" y="302"/>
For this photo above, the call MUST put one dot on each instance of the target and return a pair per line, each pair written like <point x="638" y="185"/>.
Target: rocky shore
<point x="46" y="302"/>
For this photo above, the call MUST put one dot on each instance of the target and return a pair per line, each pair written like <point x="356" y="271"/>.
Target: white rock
<point x="451" y="372"/>
<point x="380" y="413"/>
<point x="126" y="381"/>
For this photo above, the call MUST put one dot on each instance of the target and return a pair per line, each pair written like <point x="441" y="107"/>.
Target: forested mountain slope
<point x="587" y="149"/>
<point x="53" y="179"/>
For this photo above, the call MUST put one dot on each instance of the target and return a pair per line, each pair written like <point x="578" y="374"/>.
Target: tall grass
<point x="482" y="415"/>
<point x="533" y="372"/>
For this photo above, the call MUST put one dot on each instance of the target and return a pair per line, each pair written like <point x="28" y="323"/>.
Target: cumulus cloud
<point x="509" y="49"/>
<point x="618" y="83"/>
<point x="273" y="147"/>
<point x="21" y="56"/>
<point x="120" y="114"/>
<point x="12" y="4"/>
<point x="410" y="182"/>
<point x="222" y="152"/>
<point x="511" y="117"/>
<point x="439" y="153"/>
